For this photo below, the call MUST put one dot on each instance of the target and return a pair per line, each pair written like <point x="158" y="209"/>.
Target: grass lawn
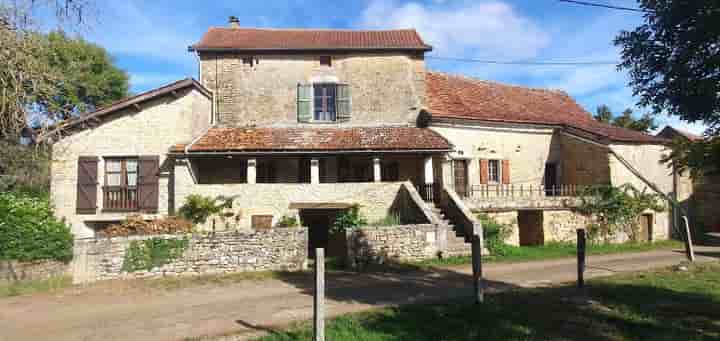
<point x="654" y="305"/>
<point x="556" y="250"/>
<point x="31" y="287"/>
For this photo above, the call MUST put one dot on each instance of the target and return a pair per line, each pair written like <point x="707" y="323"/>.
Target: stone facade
<point x="381" y="244"/>
<point x="557" y="225"/>
<point x="282" y="249"/>
<point x="12" y="271"/>
<point x="385" y="88"/>
<point x="513" y="203"/>
<point x="159" y="125"/>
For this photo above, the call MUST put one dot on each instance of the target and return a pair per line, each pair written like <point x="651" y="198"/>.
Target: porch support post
<point x="429" y="174"/>
<point x="251" y="171"/>
<point x="314" y="171"/>
<point x="377" y="170"/>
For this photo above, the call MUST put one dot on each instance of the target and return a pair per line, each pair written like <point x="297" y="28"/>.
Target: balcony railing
<point x="120" y="199"/>
<point x="512" y="190"/>
<point x="429" y="192"/>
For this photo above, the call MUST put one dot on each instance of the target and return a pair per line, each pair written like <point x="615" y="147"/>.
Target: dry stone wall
<point x="12" y="271"/>
<point x="280" y="249"/>
<point x="382" y="244"/>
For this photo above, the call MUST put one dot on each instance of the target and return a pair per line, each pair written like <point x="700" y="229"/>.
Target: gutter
<point x="295" y="152"/>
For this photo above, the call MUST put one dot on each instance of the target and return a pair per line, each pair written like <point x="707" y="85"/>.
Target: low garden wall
<point x="280" y="249"/>
<point x="381" y="244"/>
<point x="12" y="271"/>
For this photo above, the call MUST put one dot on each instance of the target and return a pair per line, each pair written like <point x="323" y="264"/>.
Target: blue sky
<point x="149" y="39"/>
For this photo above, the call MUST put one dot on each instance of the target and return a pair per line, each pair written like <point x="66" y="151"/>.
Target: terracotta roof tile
<point x="460" y="97"/>
<point x="317" y="139"/>
<point x="310" y="39"/>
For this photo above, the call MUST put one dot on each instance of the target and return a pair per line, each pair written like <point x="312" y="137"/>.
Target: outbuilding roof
<point x="310" y="139"/>
<point x="217" y="38"/>
<point x="458" y="97"/>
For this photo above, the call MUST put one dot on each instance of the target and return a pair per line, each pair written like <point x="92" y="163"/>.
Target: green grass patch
<point x="35" y="286"/>
<point x="653" y="305"/>
<point x="555" y="251"/>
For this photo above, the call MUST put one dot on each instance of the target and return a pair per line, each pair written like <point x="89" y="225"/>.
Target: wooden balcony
<point x="519" y="191"/>
<point x="120" y="199"/>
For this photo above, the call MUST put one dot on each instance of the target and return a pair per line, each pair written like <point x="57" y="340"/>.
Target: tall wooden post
<point x="689" y="252"/>
<point x="477" y="269"/>
<point x="580" y="258"/>
<point x="319" y="302"/>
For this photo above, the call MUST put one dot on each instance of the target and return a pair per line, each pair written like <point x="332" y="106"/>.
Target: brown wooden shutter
<point x="148" y="187"/>
<point x="505" y="171"/>
<point x="87" y="185"/>
<point x="484" y="171"/>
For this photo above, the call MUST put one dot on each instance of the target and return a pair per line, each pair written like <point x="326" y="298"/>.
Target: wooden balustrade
<point x="122" y="199"/>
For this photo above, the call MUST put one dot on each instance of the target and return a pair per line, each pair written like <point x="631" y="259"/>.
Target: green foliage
<point x="698" y="157"/>
<point x="24" y="168"/>
<point x="198" y="208"/>
<point x="152" y="253"/>
<point x="617" y="209"/>
<point x="644" y="124"/>
<point x="288" y="221"/>
<point x="494" y="235"/>
<point x="348" y="220"/>
<point x="29" y="230"/>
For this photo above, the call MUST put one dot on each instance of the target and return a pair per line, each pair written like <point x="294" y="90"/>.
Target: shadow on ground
<point x="640" y="309"/>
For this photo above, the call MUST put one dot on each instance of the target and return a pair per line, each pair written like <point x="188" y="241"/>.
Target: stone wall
<point x="11" y="271"/>
<point x="529" y="202"/>
<point x="383" y="244"/>
<point x="583" y="163"/>
<point x="385" y="88"/>
<point x="160" y="124"/>
<point x="374" y="198"/>
<point x="281" y="249"/>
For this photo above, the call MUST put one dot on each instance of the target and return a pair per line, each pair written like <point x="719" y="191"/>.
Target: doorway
<point x="461" y="176"/>
<point x="550" y="179"/>
<point x="530" y="226"/>
<point x="319" y="222"/>
<point x="646" y="228"/>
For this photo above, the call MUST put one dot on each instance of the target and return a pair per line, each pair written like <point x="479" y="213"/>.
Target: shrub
<point x="136" y="225"/>
<point x="198" y="208"/>
<point x="29" y="230"/>
<point x="288" y="221"/>
<point x="348" y="220"/>
<point x="151" y="253"/>
<point x="494" y="235"/>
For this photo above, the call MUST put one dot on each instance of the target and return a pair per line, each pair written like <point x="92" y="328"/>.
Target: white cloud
<point x="488" y="28"/>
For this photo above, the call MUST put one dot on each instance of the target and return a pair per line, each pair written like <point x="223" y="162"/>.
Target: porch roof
<point x="306" y="139"/>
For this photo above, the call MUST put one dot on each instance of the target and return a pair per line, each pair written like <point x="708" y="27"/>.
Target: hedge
<point x="29" y="231"/>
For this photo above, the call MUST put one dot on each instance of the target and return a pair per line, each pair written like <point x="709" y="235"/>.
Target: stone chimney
<point x="234" y="22"/>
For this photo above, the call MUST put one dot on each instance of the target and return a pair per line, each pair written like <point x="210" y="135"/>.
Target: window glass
<point x="113" y="179"/>
<point x="113" y="165"/>
<point x="324" y="100"/>
<point x="494" y="170"/>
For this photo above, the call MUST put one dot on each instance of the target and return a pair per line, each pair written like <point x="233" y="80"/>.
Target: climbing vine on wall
<point x="151" y="253"/>
<point x="617" y="209"/>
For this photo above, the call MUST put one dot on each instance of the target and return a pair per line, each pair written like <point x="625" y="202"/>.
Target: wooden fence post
<point x="690" y="253"/>
<point x="319" y="302"/>
<point x="580" y="258"/>
<point x="477" y="269"/>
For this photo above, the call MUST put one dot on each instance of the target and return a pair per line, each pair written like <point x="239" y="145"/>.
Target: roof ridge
<point x="307" y="29"/>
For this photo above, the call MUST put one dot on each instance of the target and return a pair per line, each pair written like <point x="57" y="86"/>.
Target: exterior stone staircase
<point x="456" y="245"/>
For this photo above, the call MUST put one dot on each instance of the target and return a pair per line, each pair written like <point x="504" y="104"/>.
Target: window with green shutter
<point x="304" y="102"/>
<point x="343" y="102"/>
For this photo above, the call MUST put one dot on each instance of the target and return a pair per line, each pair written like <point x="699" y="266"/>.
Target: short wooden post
<point x="689" y="252"/>
<point x="319" y="303"/>
<point x="477" y="269"/>
<point x="580" y="258"/>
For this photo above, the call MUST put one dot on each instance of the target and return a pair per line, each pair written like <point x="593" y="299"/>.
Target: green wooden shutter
<point x="304" y="102"/>
<point x="343" y="102"/>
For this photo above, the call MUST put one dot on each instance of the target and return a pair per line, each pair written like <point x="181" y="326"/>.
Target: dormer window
<point x="323" y="102"/>
<point x="325" y="60"/>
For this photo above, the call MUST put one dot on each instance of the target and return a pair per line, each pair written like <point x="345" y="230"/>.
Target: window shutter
<point x="87" y="185"/>
<point x="343" y="102"/>
<point x="304" y="102"/>
<point x="148" y="183"/>
<point x="484" y="171"/>
<point x="505" y="171"/>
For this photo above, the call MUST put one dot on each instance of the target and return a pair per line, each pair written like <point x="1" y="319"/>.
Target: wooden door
<point x="550" y="180"/>
<point x="461" y="179"/>
<point x="646" y="226"/>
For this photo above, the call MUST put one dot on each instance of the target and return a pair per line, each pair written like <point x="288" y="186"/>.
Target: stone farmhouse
<point x="307" y="123"/>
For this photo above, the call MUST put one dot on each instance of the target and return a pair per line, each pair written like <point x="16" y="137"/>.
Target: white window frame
<point x="499" y="171"/>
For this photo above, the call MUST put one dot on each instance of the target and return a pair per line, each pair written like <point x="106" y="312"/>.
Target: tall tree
<point x="603" y="113"/>
<point x="644" y="124"/>
<point x="673" y="60"/>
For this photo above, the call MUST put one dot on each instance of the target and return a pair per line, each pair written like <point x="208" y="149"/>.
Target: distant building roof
<point x="671" y="132"/>
<point x="309" y="139"/>
<point x="217" y="38"/>
<point x="458" y="97"/>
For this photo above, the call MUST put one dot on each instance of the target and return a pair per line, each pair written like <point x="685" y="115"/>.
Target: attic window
<point x="250" y="61"/>
<point x="325" y="61"/>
